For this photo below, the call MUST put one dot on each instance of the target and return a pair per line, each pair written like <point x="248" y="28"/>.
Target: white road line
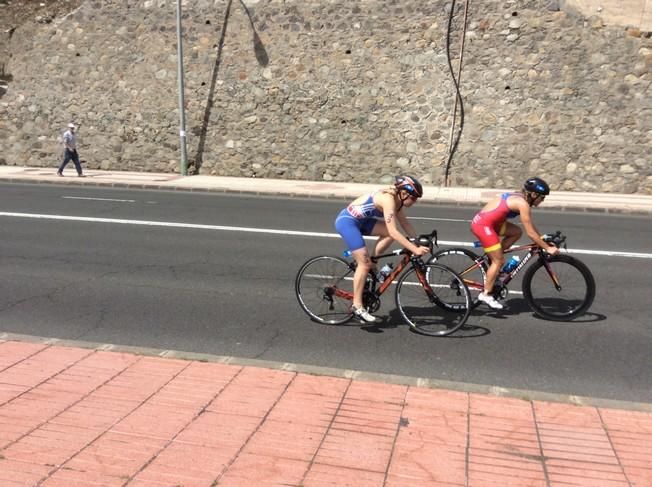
<point x="169" y="224"/>
<point x="96" y="199"/>
<point x="606" y="253"/>
<point x="272" y="231"/>
<point x="610" y="253"/>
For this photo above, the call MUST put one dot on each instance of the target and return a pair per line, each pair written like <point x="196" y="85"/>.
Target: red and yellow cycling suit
<point x="490" y="225"/>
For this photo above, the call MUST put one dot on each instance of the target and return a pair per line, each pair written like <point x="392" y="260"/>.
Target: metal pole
<point x="182" y="113"/>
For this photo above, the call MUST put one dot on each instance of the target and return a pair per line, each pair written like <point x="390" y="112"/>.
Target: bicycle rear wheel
<point x="324" y="289"/>
<point x="463" y="262"/>
<point x="433" y="300"/>
<point x="560" y="288"/>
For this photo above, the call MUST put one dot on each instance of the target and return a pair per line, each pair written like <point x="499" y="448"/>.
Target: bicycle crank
<point x="500" y="290"/>
<point x="371" y="301"/>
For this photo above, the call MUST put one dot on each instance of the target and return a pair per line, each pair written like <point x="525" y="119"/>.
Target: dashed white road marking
<point x="97" y="199"/>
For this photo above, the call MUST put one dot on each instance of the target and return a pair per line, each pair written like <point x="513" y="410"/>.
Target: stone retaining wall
<point x="632" y="13"/>
<point x="336" y="90"/>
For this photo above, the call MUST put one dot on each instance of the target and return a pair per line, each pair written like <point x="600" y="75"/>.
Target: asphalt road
<point x="227" y="290"/>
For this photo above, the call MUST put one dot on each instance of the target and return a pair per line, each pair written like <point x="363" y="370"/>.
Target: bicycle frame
<point x="533" y="249"/>
<point x="400" y="266"/>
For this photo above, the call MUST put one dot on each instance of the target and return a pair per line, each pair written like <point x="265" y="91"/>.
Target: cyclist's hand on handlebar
<point x="421" y="250"/>
<point x="552" y="250"/>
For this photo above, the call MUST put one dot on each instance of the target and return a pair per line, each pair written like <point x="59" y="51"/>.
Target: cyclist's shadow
<point x="518" y="306"/>
<point x="395" y="320"/>
<point x="511" y="307"/>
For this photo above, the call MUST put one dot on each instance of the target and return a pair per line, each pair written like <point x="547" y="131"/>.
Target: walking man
<point x="70" y="151"/>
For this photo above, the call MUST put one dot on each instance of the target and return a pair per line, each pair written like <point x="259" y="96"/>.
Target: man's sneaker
<point x="489" y="301"/>
<point x="59" y="173"/>
<point x="363" y="315"/>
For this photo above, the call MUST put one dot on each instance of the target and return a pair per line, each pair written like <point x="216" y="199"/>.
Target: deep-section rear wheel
<point x="433" y="300"/>
<point x="324" y="289"/>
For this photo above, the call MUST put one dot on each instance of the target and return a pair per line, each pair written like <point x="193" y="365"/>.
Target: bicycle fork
<point x="551" y="273"/>
<point x="420" y="271"/>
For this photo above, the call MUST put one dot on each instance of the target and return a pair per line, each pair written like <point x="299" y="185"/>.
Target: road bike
<point x="556" y="287"/>
<point x="324" y="289"/>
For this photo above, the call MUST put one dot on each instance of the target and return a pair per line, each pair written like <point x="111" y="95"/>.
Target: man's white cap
<point x="71" y="125"/>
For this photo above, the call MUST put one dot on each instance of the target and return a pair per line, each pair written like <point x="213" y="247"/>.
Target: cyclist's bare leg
<point x="364" y="265"/>
<point x="511" y="234"/>
<point x="384" y="240"/>
<point x="497" y="259"/>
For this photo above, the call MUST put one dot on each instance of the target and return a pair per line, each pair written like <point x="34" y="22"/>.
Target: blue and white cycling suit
<point x="354" y="221"/>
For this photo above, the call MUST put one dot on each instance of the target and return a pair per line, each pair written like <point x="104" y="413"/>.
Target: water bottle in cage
<point x="384" y="272"/>
<point x="511" y="264"/>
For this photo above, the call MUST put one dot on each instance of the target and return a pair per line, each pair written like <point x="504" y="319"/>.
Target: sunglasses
<point x="540" y="197"/>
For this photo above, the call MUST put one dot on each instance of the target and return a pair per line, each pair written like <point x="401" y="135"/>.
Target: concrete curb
<point x="523" y="394"/>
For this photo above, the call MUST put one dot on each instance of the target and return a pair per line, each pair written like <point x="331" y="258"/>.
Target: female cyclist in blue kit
<point x="376" y="214"/>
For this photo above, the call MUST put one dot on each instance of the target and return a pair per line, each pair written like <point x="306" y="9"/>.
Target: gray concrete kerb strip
<point x="523" y="394"/>
<point x="456" y="196"/>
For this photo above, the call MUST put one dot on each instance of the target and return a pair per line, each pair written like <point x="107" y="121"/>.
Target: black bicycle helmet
<point x="537" y="185"/>
<point x="409" y="184"/>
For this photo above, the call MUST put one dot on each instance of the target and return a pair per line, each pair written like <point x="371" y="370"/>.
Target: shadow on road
<point x="518" y="306"/>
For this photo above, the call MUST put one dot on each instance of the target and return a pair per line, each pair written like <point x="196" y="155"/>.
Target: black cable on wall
<point x="455" y="137"/>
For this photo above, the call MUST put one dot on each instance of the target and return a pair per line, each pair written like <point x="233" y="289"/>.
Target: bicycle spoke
<point x="462" y="262"/>
<point x="428" y="309"/>
<point x="324" y="288"/>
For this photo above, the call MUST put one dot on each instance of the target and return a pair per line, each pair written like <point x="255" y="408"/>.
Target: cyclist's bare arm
<point x="406" y="225"/>
<point x="531" y="230"/>
<point x="410" y="231"/>
<point x="386" y="202"/>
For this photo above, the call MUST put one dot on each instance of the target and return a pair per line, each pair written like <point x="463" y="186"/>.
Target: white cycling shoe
<point x="489" y="301"/>
<point x="363" y="315"/>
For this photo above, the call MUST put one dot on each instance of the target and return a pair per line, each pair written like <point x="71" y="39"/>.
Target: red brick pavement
<point x="78" y="417"/>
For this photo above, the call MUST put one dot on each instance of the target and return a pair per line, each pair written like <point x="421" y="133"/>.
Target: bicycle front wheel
<point x="559" y="288"/>
<point x="463" y="262"/>
<point x="324" y="289"/>
<point x="433" y="300"/>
